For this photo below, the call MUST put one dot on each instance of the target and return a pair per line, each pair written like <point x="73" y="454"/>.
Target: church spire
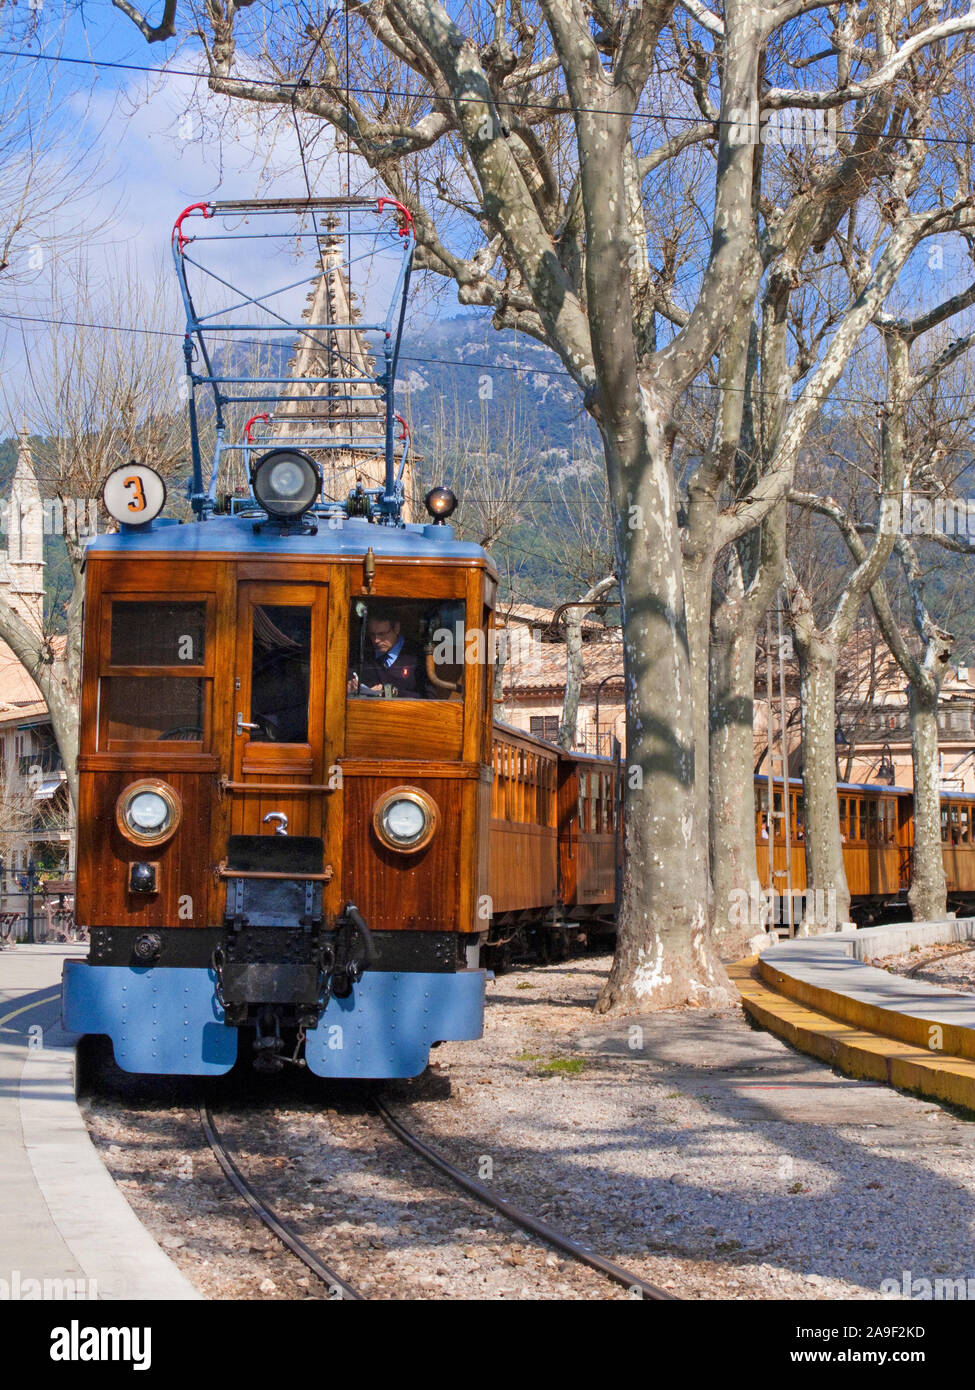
<point x="349" y="411"/>
<point x="22" y="577"/>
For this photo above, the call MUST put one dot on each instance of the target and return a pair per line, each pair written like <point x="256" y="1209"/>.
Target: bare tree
<point x="818" y="644"/>
<point x="532" y="147"/>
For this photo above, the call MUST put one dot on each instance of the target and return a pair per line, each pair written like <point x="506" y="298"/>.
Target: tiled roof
<point x="543" y="667"/>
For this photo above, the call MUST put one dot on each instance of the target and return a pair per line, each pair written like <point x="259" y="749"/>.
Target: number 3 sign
<point x="134" y="494"/>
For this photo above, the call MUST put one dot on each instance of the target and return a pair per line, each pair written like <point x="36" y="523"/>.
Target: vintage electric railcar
<point x="220" y="709"/>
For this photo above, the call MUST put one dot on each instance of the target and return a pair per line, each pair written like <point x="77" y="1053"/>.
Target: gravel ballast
<point x="697" y="1151"/>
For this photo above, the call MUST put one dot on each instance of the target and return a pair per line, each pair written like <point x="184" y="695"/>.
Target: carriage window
<point x="844" y="833"/>
<point x="944" y="824"/>
<point x="777" y="816"/>
<point x="800" y="834"/>
<point x="964" y="825"/>
<point x="157" y="634"/>
<point x="166" y="707"/>
<point x="761" y="812"/>
<point x="409" y="649"/>
<point x="860" y="819"/>
<point x="954" y="825"/>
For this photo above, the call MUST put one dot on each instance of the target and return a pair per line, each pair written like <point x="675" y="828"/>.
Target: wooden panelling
<point x="596" y="870"/>
<point x="524" y="867"/>
<point x="409" y="728"/>
<point x="959" y="862"/>
<point x="104" y="855"/>
<point x="403" y="892"/>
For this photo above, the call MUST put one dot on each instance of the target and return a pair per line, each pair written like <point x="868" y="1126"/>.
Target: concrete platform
<point x="816" y="993"/>
<point x="65" y="1228"/>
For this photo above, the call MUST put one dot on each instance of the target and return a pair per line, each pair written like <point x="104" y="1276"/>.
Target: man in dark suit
<point x="389" y="660"/>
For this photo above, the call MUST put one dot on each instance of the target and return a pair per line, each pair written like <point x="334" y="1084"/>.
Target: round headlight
<point x="405" y="819"/>
<point x="440" y="503"/>
<point x="148" y="812"/>
<point x="286" y="483"/>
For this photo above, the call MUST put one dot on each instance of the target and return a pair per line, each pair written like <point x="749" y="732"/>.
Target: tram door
<point x="279" y="709"/>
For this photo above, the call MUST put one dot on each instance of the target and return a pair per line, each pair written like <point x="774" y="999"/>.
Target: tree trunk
<point x="825" y="871"/>
<point x="698" y="576"/>
<point x="734" y="866"/>
<point x="573" y="678"/>
<point x="928" y="896"/>
<point x="664" y="955"/>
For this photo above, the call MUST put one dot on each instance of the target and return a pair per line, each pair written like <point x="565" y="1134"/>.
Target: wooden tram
<point x="877" y="833"/>
<point x="555" y="843"/>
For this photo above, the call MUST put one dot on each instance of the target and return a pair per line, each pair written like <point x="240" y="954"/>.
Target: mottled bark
<point x="734" y="866"/>
<point x="664" y="953"/>
<point x="825" y="871"/>
<point x="927" y="896"/>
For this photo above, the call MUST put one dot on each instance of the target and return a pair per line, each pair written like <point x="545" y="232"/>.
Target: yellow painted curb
<point x="955" y="1040"/>
<point x="857" y="1051"/>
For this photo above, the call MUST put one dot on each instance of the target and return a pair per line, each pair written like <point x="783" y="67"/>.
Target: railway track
<point x="341" y="1289"/>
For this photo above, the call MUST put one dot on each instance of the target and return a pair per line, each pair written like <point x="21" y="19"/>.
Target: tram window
<point x="777" y="816"/>
<point x="859" y="819"/>
<point x="800" y="834"/>
<point x="408" y="649"/>
<point x="157" y="634"/>
<point x="761" y="813"/>
<point x="944" y="824"/>
<point x="871" y="821"/>
<point x="964" y="825"/>
<point x="280" y="673"/>
<point x="583" y="802"/>
<point x="144" y="710"/>
<point x="954" y="825"/>
<point x="844" y="831"/>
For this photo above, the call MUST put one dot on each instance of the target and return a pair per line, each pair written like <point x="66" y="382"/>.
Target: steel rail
<point x="270" y="1219"/>
<point x="514" y="1214"/>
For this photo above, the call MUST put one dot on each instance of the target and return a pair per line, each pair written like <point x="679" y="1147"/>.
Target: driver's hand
<point x="353" y="684"/>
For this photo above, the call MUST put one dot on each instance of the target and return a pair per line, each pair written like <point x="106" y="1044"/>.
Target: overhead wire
<point x="694" y="119"/>
<point x="531" y="368"/>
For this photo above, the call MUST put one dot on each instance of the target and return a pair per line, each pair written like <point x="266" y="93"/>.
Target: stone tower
<point x="22" y="564"/>
<point x="349" y="411"/>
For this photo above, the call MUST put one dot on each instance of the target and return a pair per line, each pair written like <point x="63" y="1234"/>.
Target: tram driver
<point x="391" y="665"/>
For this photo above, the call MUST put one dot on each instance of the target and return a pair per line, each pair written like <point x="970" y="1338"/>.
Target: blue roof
<point x="340" y="537"/>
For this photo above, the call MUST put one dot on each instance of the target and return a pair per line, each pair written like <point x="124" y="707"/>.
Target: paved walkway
<point x="816" y="994"/>
<point x="61" y="1215"/>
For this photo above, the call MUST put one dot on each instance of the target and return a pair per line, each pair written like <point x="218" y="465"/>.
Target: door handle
<point x="242" y="724"/>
